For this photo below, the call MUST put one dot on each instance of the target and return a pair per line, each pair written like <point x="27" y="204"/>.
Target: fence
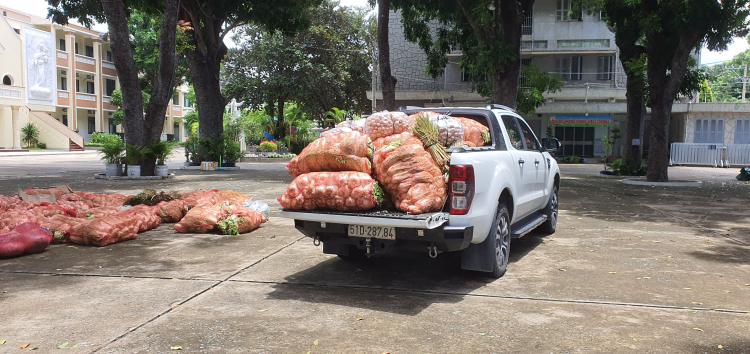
<point x="716" y="155"/>
<point x="697" y="154"/>
<point x="737" y="155"/>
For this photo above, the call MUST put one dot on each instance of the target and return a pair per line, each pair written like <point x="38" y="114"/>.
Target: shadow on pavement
<point x="724" y="254"/>
<point x="439" y="280"/>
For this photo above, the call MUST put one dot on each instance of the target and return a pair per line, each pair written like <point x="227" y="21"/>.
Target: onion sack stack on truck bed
<point x="460" y="179"/>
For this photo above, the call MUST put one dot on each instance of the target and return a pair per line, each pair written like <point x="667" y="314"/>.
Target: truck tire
<point x="501" y="235"/>
<point x="549" y="226"/>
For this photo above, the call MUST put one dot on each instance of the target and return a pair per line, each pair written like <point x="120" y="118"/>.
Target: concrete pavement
<point x="630" y="269"/>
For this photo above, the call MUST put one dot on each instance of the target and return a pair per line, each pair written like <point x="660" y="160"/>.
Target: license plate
<point x="372" y="231"/>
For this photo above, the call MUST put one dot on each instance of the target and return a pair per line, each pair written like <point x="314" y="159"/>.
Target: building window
<point x="110" y="86"/>
<point x="112" y="126"/>
<point x="62" y="44"/>
<point x="92" y="125"/>
<point x="604" y="67"/>
<point x="18" y="30"/>
<point x="76" y="47"/>
<point x="7" y="80"/>
<point x="709" y="131"/>
<point x="89" y="51"/>
<point x="90" y="87"/>
<point x="742" y="131"/>
<point x="176" y="99"/>
<point x="63" y="83"/>
<point x="569" y="68"/>
<point x="78" y="86"/>
<point x="563" y="7"/>
<point x="109" y="55"/>
<point x="65" y="120"/>
<point x="186" y="101"/>
<point x="583" y="43"/>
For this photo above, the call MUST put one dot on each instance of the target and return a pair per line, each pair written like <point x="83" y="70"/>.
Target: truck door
<point x="532" y="145"/>
<point x="526" y="171"/>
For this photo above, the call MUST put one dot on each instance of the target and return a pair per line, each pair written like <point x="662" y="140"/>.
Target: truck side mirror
<point x="551" y="144"/>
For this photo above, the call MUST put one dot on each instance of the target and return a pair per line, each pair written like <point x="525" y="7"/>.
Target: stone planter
<point x="134" y="170"/>
<point x="114" y="169"/>
<point x="161" y="170"/>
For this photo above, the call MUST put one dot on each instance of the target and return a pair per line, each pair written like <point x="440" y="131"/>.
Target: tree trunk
<point x="204" y="62"/>
<point x="204" y="72"/>
<point x="132" y="101"/>
<point x="505" y="85"/>
<point x="636" y="115"/>
<point x="505" y="79"/>
<point x="163" y="85"/>
<point x="658" y="152"/>
<point x="387" y="81"/>
<point x="280" y="130"/>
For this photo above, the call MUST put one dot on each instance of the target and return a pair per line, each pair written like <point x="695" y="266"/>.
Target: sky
<point x="39" y="8"/>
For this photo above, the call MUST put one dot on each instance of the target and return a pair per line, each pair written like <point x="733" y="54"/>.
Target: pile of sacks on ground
<point x="83" y="218"/>
<point x="377" y="161"/>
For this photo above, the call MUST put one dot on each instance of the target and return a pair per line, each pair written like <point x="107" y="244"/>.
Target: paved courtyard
<point x="631" y="269"/>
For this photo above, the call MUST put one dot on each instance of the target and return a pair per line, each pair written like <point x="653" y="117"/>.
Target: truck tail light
<point x="461" y="184"/>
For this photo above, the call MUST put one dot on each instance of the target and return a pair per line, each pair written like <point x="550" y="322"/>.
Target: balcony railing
<point x="85" y="96"/>
<point x="85" y="60"/>
<point x="62" y="55"/>
<point x="108" y="65"/>
<point x="9" y="93"/>
<point x="62" y="94"/>
<point x="526" y="26"/>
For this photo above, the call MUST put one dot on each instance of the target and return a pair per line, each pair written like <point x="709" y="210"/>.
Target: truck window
<point x="514" y="135"/>
<point x="528" y="136"/>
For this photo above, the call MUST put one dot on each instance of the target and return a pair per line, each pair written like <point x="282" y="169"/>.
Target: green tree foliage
<point x="322" y="67"/>
<point x="116" y="100"/>
<point x="145" y="29"/>
<point x="211" y="21"/>
<point x="487" y="33"/>
<point x="536" y="82"/>
<point x="724" y="83"/>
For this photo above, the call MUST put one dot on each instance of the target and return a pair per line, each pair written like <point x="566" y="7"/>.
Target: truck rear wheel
<point x="501" y="235"/>
<point x="549" y="226"/>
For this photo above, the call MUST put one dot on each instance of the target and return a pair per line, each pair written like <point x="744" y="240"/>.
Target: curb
<point x="128" y="178"/>
<point x="643" y="182"/>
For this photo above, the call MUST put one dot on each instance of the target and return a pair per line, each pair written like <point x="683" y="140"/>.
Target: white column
<point x="16" y="128"/>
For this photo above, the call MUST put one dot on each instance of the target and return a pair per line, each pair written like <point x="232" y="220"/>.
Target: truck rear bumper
<point x="336" y="240"/>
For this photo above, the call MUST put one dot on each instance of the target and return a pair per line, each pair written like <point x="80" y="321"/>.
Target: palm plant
<point x="133" y="154"/>
<point x="112" y="150"/>
<point x="334" y="116"/>
<point x="30" y="134"/>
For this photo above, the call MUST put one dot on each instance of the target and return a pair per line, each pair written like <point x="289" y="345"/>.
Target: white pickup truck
<point x="499" y="191"/>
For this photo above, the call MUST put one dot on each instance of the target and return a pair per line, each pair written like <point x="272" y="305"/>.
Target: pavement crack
<point x="626" y="197"/>
<point x="199" y="293"/>
<point x="527" y="298"/>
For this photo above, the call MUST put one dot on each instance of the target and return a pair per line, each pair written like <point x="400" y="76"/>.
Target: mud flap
<point x="479" y="256"/>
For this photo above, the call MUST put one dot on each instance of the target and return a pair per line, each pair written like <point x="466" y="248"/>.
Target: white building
<point x="592" y="101"/>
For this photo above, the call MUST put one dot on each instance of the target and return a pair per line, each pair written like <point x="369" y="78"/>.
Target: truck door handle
<point x="520" y="161"/>
<point x="536" y="162"/>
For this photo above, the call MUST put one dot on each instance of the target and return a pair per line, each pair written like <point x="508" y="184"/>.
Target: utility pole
<point x="744" y="83"/>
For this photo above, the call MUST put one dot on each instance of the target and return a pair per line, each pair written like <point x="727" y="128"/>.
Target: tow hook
<point x="433" y="251"/>
<point x="316" y="241"/>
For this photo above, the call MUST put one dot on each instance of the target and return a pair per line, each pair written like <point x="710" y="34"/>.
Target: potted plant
<point x="112" y="150"/>
<point x="232" y="153"/>
<point x="133" y="157"/>
<point x="159" y="150"/>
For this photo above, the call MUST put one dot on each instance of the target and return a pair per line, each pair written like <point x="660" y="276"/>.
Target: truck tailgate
<point x="369" y="218"/>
